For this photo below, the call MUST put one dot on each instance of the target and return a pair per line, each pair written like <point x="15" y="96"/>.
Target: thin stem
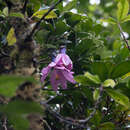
<point x="24" y="6"/>
<point x="43" y="17"/>
<point x="123" y="36"/>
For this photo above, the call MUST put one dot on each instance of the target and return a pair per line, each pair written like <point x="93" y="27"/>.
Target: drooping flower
<point x="60" y="70"/>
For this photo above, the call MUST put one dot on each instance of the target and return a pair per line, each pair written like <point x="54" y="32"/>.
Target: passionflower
<point x="60" y="70"/>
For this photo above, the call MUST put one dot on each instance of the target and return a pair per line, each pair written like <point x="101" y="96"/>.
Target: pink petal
<point x="68" y="75"/>
<point x="66" y="60"/>
<point x="62" y="79"/>
<point x="52" y="64"/>
<point x="58" y="58"/>
<point x="53" y="80"/>
<point x="45" y="72"/>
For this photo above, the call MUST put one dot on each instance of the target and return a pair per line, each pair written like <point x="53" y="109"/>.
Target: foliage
<point x="95" y="39"/>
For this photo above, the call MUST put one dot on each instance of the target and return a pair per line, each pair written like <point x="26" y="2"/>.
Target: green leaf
<point x="11" y="37"/>
<point x="72" y="19"/>
<point x="5" y="11"/>
<point x="119" y="97"/>
<point x="126" y="76"/>
<point x="17" y="111"/>
<point x="102" y="69"/>
<point x="123" y="8"/>
<point x="20" y="15"/>
<point x="40" y="13"/>
<point x="107" y="126"/>
<point x="19" y="122"/>
<point x="109" y="20"/>
<point x="70" y="5"/>
<point x="83" y="80"/>
<point x="127" y="18"/>
<point x="9" y="84"/>
<point x="93" y="78"/>
<point x="120" y="69"/>
<point x="96" y="94"/>
<point x="109" y="82"/>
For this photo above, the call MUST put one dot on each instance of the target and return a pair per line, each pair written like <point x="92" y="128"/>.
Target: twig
<point x="78" y="122"/>
<point x="24" y="6"/>
<point x="95" y="108"/>
<point x="4" y="124"/>
<point x="68" y="89"/>
<point x="43" y="17"/>
<point x="123" y="36"/>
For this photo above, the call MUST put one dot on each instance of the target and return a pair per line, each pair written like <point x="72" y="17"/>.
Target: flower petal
<point x="53" y="80"/>
<point x="62" y="79"/>
<point x="68" y="75"/>
<point x="45" y="72"/>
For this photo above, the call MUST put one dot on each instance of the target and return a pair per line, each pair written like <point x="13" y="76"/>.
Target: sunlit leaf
<point x="119" y="97"/>
<point x="123" y="8"/>
<point x="93" y="78"/>
<point x="109" y="82"/>
<point x="96" y="94"/>
<point x="11" y="38"/>
<point x="20" y="15"/>
<point x="5" y="11"/>
<point x="40" y="13"/>
<point x="109" y="20"/>
<point x="126" y="75"/>
<point x="127" y="18"/>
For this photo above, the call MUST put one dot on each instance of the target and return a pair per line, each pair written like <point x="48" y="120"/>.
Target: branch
<point x="80" y="122"/>
<point x="43" y="17"/>
<point x="123" y="36"/>
<point x="24" y="6"/>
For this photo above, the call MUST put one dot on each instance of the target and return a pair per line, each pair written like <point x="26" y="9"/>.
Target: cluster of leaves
<point x="100" y="57"/>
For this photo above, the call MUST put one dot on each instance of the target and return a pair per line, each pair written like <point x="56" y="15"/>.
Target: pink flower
<point x="61" y="73"/>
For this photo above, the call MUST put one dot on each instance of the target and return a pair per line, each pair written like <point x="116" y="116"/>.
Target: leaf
<point x="126" y="76"/>
<point x="11" y="37"/>
<point x="109" y="20"/>
<point x="17" y="111"/>
<point x="93" y="78"/>
<point x="123" y="8"/>
<point x="72" y="19"/>
<point x="5" y="11"/>
<point x="109" y="82"/>
<point x="20" y="15"/>
<point x="19" y="123"/>
<point x="119" y="97"/>
<point x="102" y="69"/>
<point x="107" y="126"/>
<point x="40" y="13"/>
<point x="83" y="80"/>
<point x="127" y="18"/>
<point x="70" y="5"/>
<point x="9" y="84"/>
<point x="96" y="94"/>
<point x="120" y="69"/>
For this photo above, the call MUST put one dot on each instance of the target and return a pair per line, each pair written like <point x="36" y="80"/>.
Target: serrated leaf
<point x="123" y="8"/>
<point x="96" y="94"/>
<point x="11" y="37"/>
<point x="127" y="18"/>
<point x="5" y="11"/>
<point x="9" y="84"/>
<point x="93" y="78"/>
<point x="40" y="13"/>
<point x="107" y="126"/>
<point x="109" y="82"/>
<point x="20" y="15"/>
<point x="119" y="97"/>
<point x="109" y="20"/>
